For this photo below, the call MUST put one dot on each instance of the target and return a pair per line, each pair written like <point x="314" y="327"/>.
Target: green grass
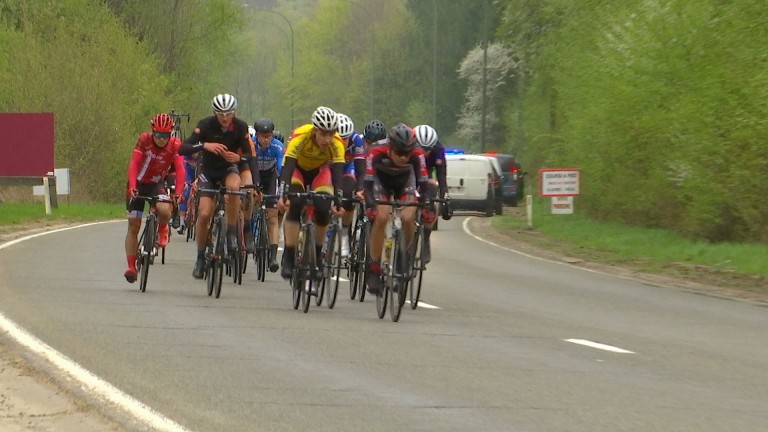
<point x="17" y="215"/>
<point x="650" y="250"/>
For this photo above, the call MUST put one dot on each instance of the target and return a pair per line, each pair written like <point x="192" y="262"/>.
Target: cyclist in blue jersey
<point x="269" y="157"/>
<point x="190" y="164"/>
<point x="374" y="135"/>
<point x="354" y="172"/>
<point x="426" y="137"/>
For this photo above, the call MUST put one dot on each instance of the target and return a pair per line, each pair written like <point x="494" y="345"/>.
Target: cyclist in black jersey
<point x="221" y="138"/>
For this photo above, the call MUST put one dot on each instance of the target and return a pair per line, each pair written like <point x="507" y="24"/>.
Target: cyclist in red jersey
<point x="152" y="159"/>
<point x="393" y="172"/>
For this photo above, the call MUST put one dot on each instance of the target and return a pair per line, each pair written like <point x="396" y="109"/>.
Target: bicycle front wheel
<point x="146" y="251"/>
<point x="307" y="266"/>
<point x="332" y="263"/>
<point x="220" y="255"/>
<point x="418" y="269"/>
<point x="399" y="277"/>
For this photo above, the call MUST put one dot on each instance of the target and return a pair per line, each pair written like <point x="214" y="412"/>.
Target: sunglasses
<point x="401" y="154"/>
<point x="225" y="114"/>
<point x="162" y="136"/>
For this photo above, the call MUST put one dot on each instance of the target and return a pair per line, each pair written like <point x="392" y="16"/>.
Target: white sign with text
<point x="559" y="182"/>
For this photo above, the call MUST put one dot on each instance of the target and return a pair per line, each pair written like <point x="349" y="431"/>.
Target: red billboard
<point x="26" y="144"/>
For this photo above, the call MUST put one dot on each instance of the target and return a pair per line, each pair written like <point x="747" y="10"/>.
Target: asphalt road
<point x="514" y="344"/>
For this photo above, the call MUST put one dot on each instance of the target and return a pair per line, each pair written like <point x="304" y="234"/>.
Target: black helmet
<point x="264" y="125"/>
<point x="402" y="139"/>
<point x="279" y="136"/>
<point x="375" y="131"/>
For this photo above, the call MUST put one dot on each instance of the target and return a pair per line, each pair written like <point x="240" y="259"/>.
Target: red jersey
<point x="150" y="164"/>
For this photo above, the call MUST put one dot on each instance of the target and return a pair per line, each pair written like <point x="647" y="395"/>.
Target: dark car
<point x="512" y="178"/>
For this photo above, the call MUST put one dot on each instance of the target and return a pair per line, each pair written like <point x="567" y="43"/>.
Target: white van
<point x="472" y="181"/>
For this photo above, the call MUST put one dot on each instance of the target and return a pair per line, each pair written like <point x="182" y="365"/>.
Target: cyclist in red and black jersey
<point x="394" y="172"/>
<point x="152" y="159"/>
<point x="219" y="137"/>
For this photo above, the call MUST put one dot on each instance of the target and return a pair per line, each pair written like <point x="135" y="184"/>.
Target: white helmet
<point x="252" y="133"/>
<point x="325" y="119"/>
<point x="426" y="136"/>
<point x="346" y="127"/>
<point x="224" y="103"/>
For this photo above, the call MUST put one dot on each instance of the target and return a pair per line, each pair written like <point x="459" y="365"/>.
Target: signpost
<point x="561" y="185"/>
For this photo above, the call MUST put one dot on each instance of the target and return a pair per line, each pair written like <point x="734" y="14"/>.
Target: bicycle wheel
<point x="262" y="246"/>
<point x="298" y="279"/>
<point x="308" y="264"/>
<point x="362" y="261"/>
<point x="220" y="256"/>
<point x="354" y="252"/>
<point x="332" y="263"/>
<point x="398" y="278"/>
<point x="146" y="251"/>
<point x="418" y="268"/>
<point x="383" y="296"/>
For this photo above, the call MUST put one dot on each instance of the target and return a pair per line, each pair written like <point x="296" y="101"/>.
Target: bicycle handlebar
<point x="153" y="199"/>
<point x="222" y="191"/>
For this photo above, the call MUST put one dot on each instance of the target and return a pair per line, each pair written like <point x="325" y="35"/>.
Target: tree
<point x="499" y="70"/>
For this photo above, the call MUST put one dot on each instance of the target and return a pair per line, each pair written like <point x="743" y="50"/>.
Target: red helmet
<point x="162" y="123"/>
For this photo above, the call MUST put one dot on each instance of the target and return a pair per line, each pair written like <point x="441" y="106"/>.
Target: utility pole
<point x="485" y="75"/>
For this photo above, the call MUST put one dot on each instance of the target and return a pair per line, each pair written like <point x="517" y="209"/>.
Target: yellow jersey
<point x="308" y="155"/>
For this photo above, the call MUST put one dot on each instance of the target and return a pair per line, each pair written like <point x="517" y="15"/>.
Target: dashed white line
<point x="597" y="345"/>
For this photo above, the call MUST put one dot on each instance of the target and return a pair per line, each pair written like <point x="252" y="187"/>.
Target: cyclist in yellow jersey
<point x="314" y="161"/>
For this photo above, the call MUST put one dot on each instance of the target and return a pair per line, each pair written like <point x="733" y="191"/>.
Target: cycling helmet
<point x="325" y="119"/>
<point x="224" y="103"/>
<point x="163" y="123"/>
<point x="346" y="127"/>
<point x="279" y="136"/>
<point x="264" y="125"/>
<point x="402" y="139"/>
<point x="252" y="133"/>
<point x="426" y="136"/>
<point x="375" y="131"/>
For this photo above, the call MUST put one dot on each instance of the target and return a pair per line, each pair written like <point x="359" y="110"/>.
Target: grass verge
<point x="18" y="216"/>
<point x="642" y="249"/>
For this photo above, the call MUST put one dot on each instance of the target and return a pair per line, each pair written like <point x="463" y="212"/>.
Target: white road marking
<point x="95" y="385"/>
<point x="424" y="305"/>
<point x="599" y="346"/>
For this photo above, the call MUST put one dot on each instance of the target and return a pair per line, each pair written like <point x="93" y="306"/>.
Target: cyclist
<point x="354" y="172"/>
<point x="374" y="135"/>
<point x="426" y="137"/>
<point x="395" y="171"/>
<point x="314" y="160"/>
<point x="190" y="165"/>
<point x="219" y="137"/>
<point x="280" y="137"/>
<point x="269" y="154"/>
<point x="152" y="159"/>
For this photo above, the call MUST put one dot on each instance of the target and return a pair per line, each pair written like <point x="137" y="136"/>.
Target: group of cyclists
<point x="326" y="156"/>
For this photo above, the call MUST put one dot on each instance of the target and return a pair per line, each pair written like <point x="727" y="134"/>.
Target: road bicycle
<point x="178" y="131"/>
<point x="417" y="246"/>
<point x="148" y="248"/>
<point x="400" y="261"/>
<point x="305" y="262"/>
<point x="332" y="262"/>
<point x="260" y="232"/>
<point x="238" y="261"/>
<point x="358" y="253"/>
<point x="217" y="249"/>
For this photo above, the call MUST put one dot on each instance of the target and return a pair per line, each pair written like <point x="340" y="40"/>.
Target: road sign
<point x="559" y="182"/>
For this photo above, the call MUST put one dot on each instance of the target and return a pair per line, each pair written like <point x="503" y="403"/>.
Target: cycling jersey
<point x="307" y="154"/>
<point x="235" y="137"/>
<point x="271" y="158"/>
<point x="150" y="164"/>
<point x="355" y="149"/>
<point x="435" y="161"/>
<point x="384" y="176"/>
